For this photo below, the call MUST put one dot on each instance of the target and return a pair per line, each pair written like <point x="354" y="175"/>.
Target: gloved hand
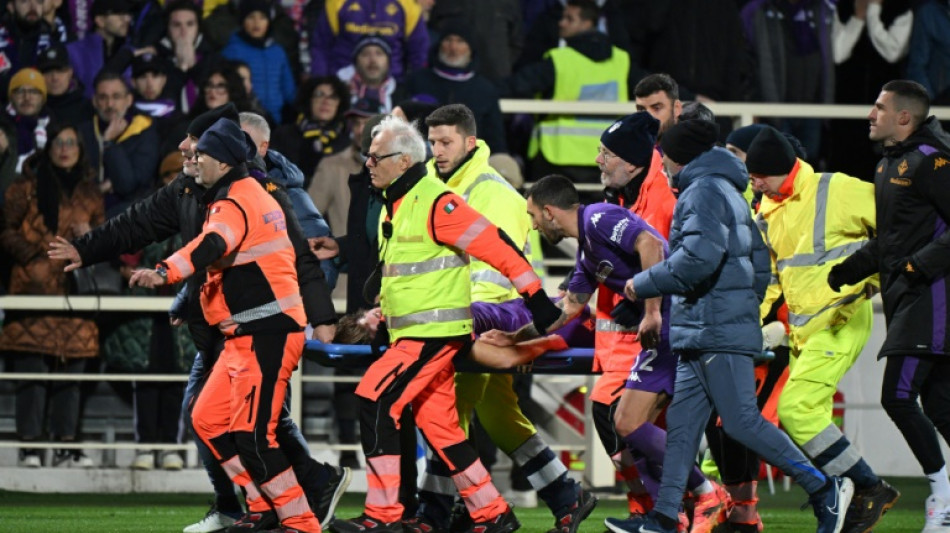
<point x="627" y="314"/>
<point x="543" y="311"/>
<point x="773" y="335"/>
<point x="837" y="277"/>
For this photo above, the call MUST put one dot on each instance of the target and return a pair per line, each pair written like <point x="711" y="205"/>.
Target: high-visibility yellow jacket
<point x="823" y="219"/>
<point x="492" y="196"/>
<point x="567" y="139"/>
<point x="425" y="289"/>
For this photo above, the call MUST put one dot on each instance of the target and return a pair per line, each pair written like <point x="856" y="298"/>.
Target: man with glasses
<point x="121" y="144"/>
<point x="177" y="209"/>
<point x="27" y="110"/>
<point x="426" y="235"/>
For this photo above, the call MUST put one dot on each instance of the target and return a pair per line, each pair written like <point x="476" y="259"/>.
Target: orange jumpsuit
<point x="252" y="296"/>
<point x="419" y="371"/>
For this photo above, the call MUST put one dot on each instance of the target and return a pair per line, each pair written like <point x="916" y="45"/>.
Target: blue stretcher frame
<point x="572" y="361"/>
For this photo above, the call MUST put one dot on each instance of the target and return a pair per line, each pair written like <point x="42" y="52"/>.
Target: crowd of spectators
<point x="98" y="93"/>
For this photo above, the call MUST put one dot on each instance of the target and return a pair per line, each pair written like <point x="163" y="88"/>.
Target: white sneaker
<point x="172" y="461"/>
<point x="526" y="499"/>
<point x="213" y="521"/>
<point x="143" y="461"/>
<point x="938" y="516"/>
<point x="29" y="460"/>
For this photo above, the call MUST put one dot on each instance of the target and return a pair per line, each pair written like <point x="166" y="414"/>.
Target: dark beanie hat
<point x="742" y="137"/>
<point x="632" y="138"/>
<point x="770" y="154"/>
<point x="686" y="140"/>
<point x="226" y="142"/>
<point x="246" y="7"/>
<point x="202" y="122"/>
<point x="372" y="40"/>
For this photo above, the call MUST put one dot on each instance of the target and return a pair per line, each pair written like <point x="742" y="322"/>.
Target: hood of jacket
<point x="593" y="44"/>
<point x="930" y="132"/>
<point x="716" y="162"/>
<point x="283" y="171"/>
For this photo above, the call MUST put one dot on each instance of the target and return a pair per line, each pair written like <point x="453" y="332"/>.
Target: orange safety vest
<point x="614" y="347"/>
<point x="254" y="285"/>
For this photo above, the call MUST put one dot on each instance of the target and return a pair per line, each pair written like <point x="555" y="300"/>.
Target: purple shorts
<point x="654" y="370"/>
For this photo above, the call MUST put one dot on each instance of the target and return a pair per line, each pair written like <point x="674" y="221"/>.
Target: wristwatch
<point x="163" y="272"/>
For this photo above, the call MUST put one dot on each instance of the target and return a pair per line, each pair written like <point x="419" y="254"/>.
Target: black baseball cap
<point x="53" y="58"/>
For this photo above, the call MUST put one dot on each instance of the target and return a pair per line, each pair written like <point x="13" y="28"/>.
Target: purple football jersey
<point x="513" y="314"/>
<point x="607" y="247"/>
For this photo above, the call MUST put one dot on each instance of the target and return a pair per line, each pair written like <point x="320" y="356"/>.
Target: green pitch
<point x="80" y="513"/>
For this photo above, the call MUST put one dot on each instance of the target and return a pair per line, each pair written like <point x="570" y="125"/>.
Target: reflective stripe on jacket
<point x="425" y="286"/>
<point x="492" y="196"/>
<point x="826" y="218"/>
<point x="567" y="139"/>
<point x="253" y="285"/>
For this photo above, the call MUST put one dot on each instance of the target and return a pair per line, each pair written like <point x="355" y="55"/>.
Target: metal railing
<point x="742" y="113"/>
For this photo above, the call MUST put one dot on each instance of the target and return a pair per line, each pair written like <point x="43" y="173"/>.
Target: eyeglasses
<point x="375" y="159"/>
<point x="65" y="143"/>
<point x="605" y="154"/>
<point x="216" y="86"/>
<point x="323" y="96"/>
<point x="27" y="91"/>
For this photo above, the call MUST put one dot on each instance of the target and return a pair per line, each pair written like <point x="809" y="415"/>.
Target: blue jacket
<point x="718" y="268"/>
<point x="270" y="72"/>
<point x="282" y="171"/>
<point x="928" y="61"/>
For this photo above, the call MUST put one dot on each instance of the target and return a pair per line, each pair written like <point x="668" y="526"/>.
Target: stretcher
<point x="571" y="361"/>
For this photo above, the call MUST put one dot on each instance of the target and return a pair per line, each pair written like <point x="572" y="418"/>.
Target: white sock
<point x="940" y="484"/>
<point x="705" y="488"/>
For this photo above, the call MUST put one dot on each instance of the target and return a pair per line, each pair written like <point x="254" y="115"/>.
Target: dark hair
<point x="655" y="83"/>
<point x="305" y="91"/>
<point x="696" y="111"/>
<point x="458" y="115"/>
<point x="350" y="331"/>
<point x="589" y="10"/>
<point x="182" y="5"/>
<point x="912" y="97"/>
<point x="53" y="130"/>
<point x="556" y="190"/>
<point x="109" y="75"/>
<point x="237" y="94"/>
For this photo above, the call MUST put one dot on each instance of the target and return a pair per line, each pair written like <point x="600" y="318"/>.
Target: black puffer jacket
<point x="912" y="247"/>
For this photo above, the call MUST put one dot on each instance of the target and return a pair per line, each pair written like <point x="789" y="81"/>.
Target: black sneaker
<point x="868" y="507"/>
<point x="460" y="521"/>
<point x="255" y="522"/>
<point x="569" y="520"/>
<point x="324" y="502"/>
<point x="506" y="522"/>
<point x="365" y="524"/>
<point x="420" y="524"/>
<point x="831" y="504"/>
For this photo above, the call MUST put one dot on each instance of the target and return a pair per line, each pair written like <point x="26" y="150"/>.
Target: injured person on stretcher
<point x="363" y="326"/>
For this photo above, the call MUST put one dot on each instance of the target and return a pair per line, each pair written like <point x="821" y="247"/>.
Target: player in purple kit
<point x="361" y="327"/>
<point x="614" y="245"/>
